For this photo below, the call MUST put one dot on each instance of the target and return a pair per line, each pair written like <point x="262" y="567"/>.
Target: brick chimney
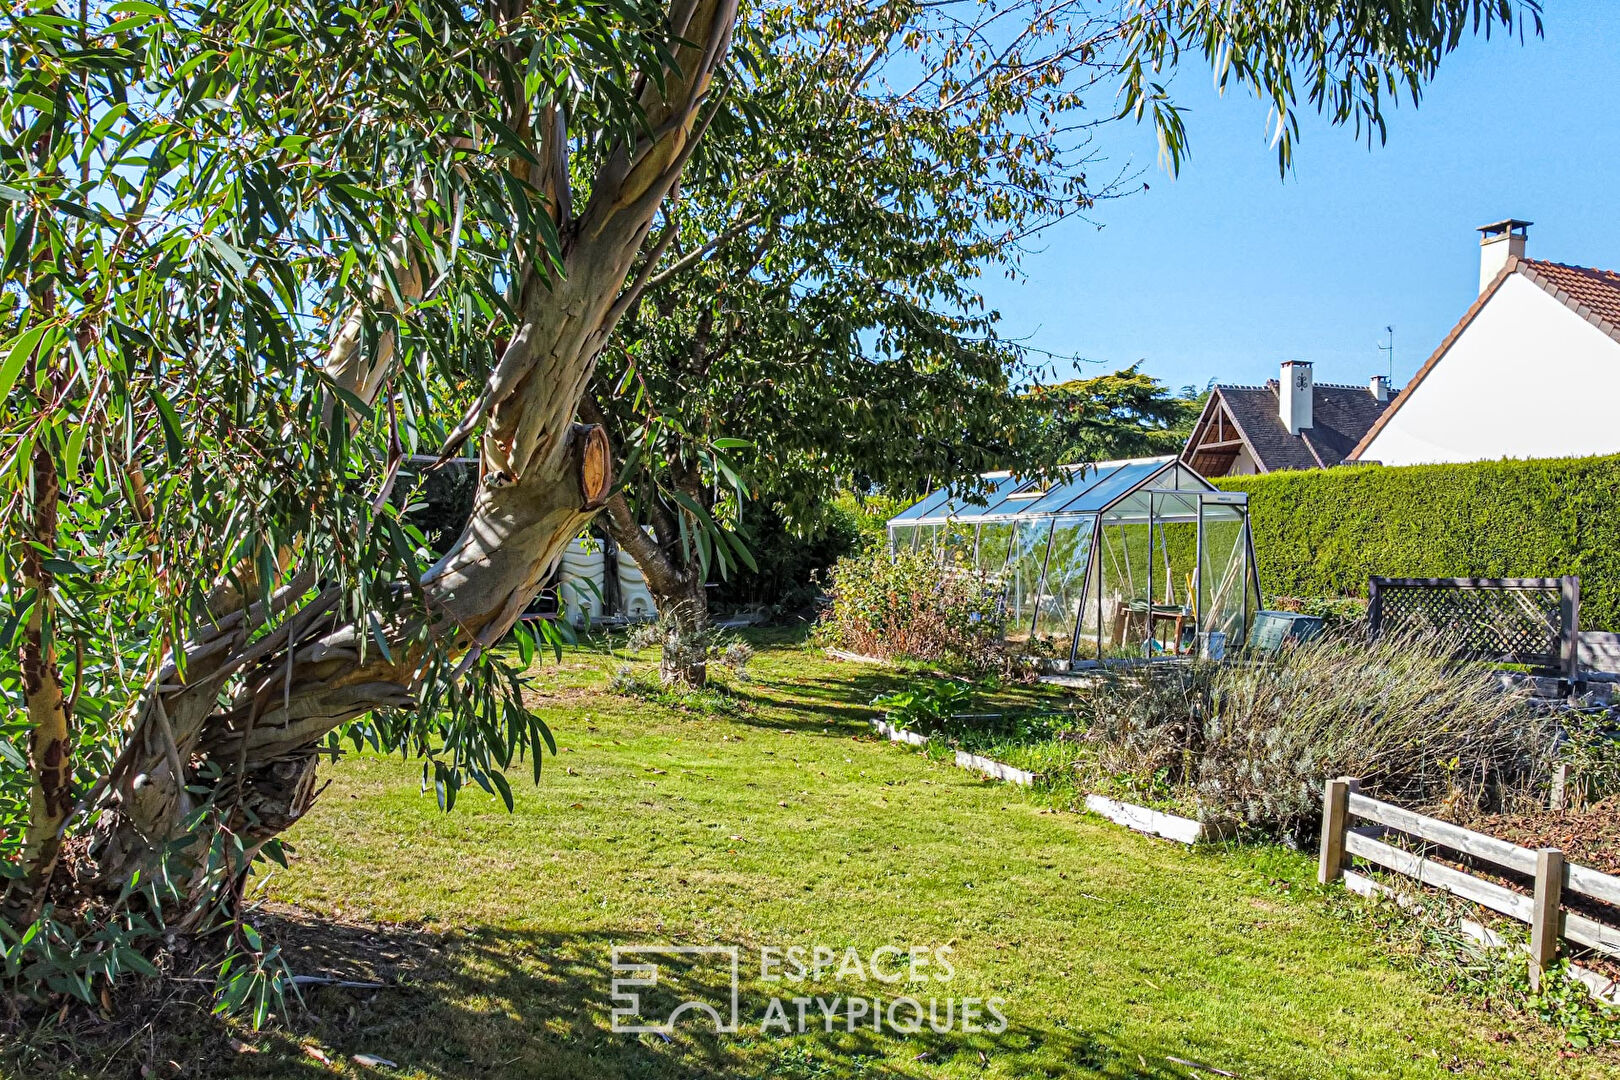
<point x="1499" y="242"/>
<point x="1295" y="395"/>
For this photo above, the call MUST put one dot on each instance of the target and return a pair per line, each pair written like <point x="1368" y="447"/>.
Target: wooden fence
<point x="1543" y="909"/>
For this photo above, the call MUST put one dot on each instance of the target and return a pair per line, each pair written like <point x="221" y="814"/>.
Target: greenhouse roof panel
<point x="1105" y="483"/>
<point x="955" y="503"/>
<point x="1088" y="489"/>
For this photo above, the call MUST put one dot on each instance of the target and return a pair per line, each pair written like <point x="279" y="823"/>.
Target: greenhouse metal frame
<point x="1114" y="559"/>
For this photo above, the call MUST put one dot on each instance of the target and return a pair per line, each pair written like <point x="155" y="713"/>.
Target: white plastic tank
<point x="635" y="599"/>
<point x="580" y="583"/>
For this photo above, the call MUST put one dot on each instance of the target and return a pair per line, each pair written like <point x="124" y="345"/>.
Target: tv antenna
<point x="1389" y="351"/>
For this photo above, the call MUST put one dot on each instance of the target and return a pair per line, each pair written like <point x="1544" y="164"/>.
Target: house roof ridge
<point x="1571" y="266"/>
<point x="1578" y="295"/>
<point x="1319" y="386"/>
<point x="1342" y="386"/>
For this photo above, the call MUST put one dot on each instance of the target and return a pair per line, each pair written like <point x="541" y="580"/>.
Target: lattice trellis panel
<point x="1522" y="620"/>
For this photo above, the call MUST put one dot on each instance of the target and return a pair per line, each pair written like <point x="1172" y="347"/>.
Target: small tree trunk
<point x="50" y="745"/>
<point x="685" y="612"/>
<point x="677" y="587"/>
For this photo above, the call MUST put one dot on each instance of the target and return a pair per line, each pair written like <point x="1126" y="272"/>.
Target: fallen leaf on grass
<point x="371" y="1062"/>
<point x="241" y="1047"/>
<point x="1195" y="1065"/>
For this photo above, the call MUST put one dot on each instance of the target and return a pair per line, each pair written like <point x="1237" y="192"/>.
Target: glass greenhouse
<point x="1118" y="559"/>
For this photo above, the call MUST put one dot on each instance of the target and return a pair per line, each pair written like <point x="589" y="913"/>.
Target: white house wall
<point x="1242" y="464"/>
<point x="1528" y="378"/>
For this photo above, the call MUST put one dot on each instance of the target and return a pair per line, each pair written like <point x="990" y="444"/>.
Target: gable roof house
<point x="1290" y="423"/>
<point x="1531" y="371"/>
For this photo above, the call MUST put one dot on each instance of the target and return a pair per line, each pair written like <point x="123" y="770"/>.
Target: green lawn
<point x="784" y="822"/>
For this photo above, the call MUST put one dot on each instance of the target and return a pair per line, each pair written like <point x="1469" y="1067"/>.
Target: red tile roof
<point x="1593" y="294"/>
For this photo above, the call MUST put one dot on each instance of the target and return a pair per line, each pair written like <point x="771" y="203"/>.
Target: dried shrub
<point x="1255" y="741"/>
<point x="909" y="607"/>
<point x="735" y="656"/>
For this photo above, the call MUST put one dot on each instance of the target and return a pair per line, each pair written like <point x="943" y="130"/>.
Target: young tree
<point x="249" y="251"/>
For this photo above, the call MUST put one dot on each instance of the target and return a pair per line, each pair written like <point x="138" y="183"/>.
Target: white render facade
<point x="1532" y="371"/>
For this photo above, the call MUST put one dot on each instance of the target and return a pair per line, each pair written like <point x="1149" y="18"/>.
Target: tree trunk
<point x="685" y="613"/>
<point x="542" y="479"/>
<point x="50" y="745"/>
<point x="677" y="587"/>
<point x="315" y="674"/>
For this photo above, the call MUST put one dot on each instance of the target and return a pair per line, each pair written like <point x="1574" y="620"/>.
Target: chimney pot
<point x="1295" y="395"/>
<point x="1499" y="242"/>
<point x="1378" y="386"/>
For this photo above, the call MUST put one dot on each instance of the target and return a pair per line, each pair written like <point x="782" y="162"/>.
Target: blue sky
<point x="1227" y="270"/>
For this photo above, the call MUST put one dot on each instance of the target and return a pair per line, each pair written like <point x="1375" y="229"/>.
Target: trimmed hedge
<point x="1325" y="532"/>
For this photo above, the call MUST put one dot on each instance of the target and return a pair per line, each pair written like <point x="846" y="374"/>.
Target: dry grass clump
<point x="1255" y="741"/>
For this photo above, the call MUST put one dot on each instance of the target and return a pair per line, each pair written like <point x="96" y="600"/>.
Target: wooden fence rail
<point x="1543" y="909"/>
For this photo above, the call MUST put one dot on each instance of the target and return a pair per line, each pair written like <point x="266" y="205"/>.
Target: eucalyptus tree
<point x="249" y="251"/>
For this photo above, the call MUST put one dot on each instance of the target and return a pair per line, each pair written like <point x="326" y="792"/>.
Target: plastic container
<point x="1272" y="628"/>
<point x="579" y="583"/>
<point x="635" y="599"/>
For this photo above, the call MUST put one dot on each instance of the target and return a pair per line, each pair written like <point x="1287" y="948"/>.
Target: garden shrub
<point x="1591" y="748"/>
<point x="947" y="708"/>
<point x="927" y="707"/>
<point x="1324" y="532"/>
<point x="1256" y="741"/>
<point x="909" y="607"/>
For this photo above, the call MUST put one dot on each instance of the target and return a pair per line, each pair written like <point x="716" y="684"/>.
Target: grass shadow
<point x="513" y="1003"/>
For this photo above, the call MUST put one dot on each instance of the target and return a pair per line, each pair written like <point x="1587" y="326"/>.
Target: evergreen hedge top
<point x="1326" y="531"/>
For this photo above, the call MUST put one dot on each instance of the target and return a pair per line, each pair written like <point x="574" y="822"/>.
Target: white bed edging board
<point x="991" y="767"/>
<point x="856" y="658"/>
<point x="894" y="734"/>
<point x="1600" y="987"/>
<point x="1140" y="818"/>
